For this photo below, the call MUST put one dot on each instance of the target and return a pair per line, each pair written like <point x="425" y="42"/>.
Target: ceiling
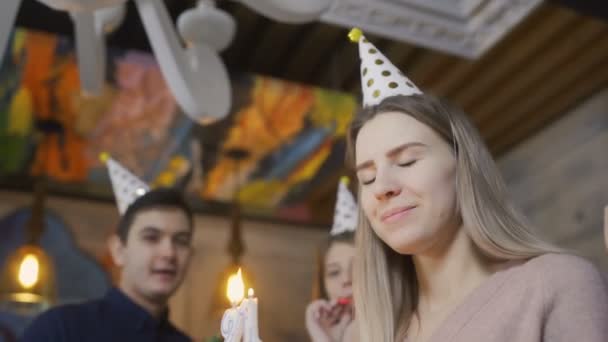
<point x="551" y="50"/>
<point x="549" y="62"/>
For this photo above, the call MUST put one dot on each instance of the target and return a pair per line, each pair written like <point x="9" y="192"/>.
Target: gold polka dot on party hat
<point x="379" y="61"/>
<point x="372" y="51"/>
<point x="365" y="40"/>
<point x="370" y="82"/>
<point x="409" y="84"/>
<point x="386" y="73"/>
<point x="376" y="93"/>
<point x="393" y="85"/>
<point x="364" y="71"/>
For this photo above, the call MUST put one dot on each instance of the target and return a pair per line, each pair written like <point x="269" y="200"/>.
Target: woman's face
<point x="407" y="176"/>
<point x="338" y="270"/>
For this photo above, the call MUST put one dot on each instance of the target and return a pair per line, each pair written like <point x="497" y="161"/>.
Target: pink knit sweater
<point x="551" y="298"/>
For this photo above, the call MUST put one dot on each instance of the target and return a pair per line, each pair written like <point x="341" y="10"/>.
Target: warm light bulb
<point x="29" y="271"/>
<point x="236" y="288"/>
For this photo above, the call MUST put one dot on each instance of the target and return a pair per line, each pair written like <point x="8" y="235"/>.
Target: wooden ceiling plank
<point x="340" y="64"/>
<point x="454" y="78"/>
<point x="530" y="74"/>
<point x="549" y="31"/>
<point x="553" y="109"/>
<point x="422" y="67"/>
<point x="568" y="77"/>
<point x="325" y="65"/>
<point x="310" y="51"/>
<point x="272" y="44"/>
<point x="246" y="23"/>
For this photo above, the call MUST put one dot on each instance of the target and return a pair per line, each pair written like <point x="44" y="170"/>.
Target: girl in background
<point x="330" y="316"/>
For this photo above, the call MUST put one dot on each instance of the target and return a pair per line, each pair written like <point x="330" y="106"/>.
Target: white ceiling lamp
<point x="90" y="30"/>
<point x="195" y="73"/>
<point x="208" y="24"/>
<point x="92" y="20"/>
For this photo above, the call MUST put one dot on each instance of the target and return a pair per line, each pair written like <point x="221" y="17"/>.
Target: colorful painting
<point x="293" y="134"/>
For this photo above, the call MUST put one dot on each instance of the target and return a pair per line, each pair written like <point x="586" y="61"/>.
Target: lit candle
<point x="251" y="318"/>
<point x="232" y="324"/>
<point x="234" y="318"/>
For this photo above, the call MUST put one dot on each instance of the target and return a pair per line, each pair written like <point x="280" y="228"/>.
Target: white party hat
<point x="379" y="77"/>
<point x="345" y="213"/>
<point x="127" y="187"/>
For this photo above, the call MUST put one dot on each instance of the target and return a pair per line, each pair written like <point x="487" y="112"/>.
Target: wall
<point x="279" y="258"/>
<point x="560" y="178"/>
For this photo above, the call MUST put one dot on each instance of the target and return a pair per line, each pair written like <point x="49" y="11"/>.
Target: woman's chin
<point x="408" y="245"/>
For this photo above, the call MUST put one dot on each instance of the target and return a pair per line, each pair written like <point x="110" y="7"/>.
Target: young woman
<point x="330" y="316"/>
<point x="442" y="255"/>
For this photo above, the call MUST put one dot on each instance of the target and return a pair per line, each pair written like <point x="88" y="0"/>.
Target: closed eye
<point x="408" y="164"/>
<point x="368" y="182"/>
<point x="332" y="274"/>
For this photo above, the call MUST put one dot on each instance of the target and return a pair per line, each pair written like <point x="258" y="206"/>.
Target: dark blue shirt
<point x="114" y="318"/>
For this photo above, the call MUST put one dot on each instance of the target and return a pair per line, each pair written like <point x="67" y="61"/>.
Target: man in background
<point x="152" y="247"/>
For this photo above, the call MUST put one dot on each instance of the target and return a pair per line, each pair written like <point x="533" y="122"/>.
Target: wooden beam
<point x="554" y="108"/>
<point x="532" y="73"/>
<point x="271" y="46"/>
<point x="310" y="50"/>
<point x="585" y="70"/>
<point x="340" y="64"/>
<point x="430" y="69"/>
<point x="247" y="21"/>
<point x="545" y="35"/>
<point x="527" y="32"/>
<point x="325" y="64"/>
<point x="544" y="85"/>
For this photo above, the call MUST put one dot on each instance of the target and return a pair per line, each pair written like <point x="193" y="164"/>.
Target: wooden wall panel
<point x="281" y="260"/>
<point x="559" y="178"/>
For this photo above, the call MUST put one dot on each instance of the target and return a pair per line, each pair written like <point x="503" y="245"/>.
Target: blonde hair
<point x="385" y="285"/>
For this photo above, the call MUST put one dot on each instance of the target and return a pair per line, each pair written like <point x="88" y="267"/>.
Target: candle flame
<point x="28" y="271"/>
<point x="250" y="292"/>
<point x="236" y="288"/>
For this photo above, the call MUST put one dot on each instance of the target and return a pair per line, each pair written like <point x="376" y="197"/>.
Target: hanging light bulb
<point x="28" y="275"/>
<point x="29" y="270"/>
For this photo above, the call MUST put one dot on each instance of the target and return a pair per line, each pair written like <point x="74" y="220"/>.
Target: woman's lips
<point x="395" y="214"/>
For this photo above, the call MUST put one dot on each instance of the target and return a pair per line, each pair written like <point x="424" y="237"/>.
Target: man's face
<point x="156" y="254"/>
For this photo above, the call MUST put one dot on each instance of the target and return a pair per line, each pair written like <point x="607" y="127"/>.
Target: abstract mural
<point x="293" y="134"/>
